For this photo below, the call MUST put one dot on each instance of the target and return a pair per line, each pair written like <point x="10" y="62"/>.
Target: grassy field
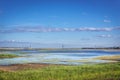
<point x="108" y="71"/>
<point x="8" y="55"/>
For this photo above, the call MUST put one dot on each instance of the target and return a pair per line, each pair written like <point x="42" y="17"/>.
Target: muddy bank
<point x="16" y="67"/>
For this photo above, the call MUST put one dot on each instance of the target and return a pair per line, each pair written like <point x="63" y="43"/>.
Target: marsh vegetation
<point x="109" y="71"/>
<point x="3" y="55"/>
<point x="26" y="68"/>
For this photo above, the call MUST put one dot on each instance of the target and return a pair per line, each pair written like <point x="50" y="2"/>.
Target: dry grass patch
<point x="113" y="58"/>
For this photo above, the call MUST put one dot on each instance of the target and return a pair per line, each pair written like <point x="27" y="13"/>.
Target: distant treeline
<point x="103" y="48"/>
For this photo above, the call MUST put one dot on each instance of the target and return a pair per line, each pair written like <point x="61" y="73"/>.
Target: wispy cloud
<point x="53" y="16"/>
<point x="106" y="16"/>
<point x="84" y="13"/>
<point x="107" y="21"/>
<point x="85" y="39"/>
<point x="12" y="41"/>
<point x="53" y="29"/>
<point x="117" y="28"/>
<point x="105" y="36"/>
<point x="1" y="11"/>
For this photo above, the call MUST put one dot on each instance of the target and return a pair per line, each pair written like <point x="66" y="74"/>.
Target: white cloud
<point x="53" y="29"/>
<point x="8" y="41"/>
<point x="105" y="36"/>
<point x="12" y="41"/>
<point x="107" y="21"/>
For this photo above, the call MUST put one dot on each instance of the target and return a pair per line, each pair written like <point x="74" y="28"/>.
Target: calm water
<point x="57" y="57"/>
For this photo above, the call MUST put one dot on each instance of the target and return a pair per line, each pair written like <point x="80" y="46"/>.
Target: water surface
<point x="73" y="57"/>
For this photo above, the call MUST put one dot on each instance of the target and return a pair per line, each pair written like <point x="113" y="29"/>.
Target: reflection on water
<point x="56" y="57"/>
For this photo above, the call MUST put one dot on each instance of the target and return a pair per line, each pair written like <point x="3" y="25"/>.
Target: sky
<point x="52" y="23"/>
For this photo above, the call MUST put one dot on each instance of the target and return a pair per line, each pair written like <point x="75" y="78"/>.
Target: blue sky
<point x="74" y="23"/>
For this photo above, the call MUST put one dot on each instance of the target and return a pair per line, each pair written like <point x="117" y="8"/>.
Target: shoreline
<point x="61" y="49"/>
<point x="29" y="66"/>
<point x="17" y="67"/>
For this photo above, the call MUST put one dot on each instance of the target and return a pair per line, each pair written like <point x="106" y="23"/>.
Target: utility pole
<point x="62" y="46"/>
<point x="30" y="46"/>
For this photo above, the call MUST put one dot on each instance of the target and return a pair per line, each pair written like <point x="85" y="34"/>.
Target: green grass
<point x="3" y="55"/>
<point x="109" y="71"/>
